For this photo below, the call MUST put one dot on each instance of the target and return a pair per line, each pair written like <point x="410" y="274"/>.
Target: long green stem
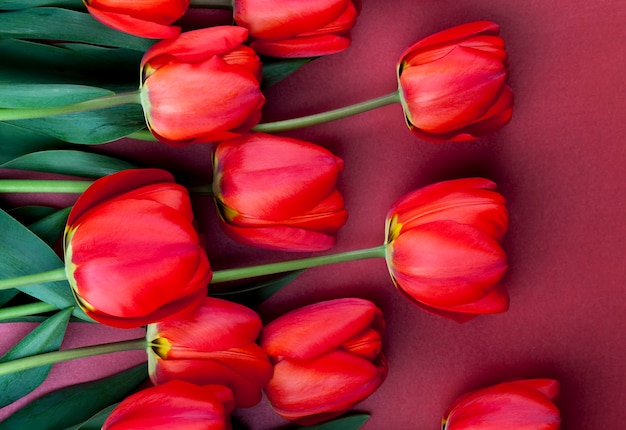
<point x="70" y="354"/>
<point x="306" y="121"/>
<point x="212" y="4"/>
<point x="25" y="310"/>
<point x="35" y="278"/>
<point x="304" y="263"/>
<point x="12" y="114"/>
<point x="42" y="186"/>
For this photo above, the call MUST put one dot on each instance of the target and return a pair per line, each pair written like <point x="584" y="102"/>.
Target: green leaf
<point x="50" y="228"/>
<point x="63" y="24"/>
<point x="92" y="127"/>
<point x="15" y="95"/>
<point x="275" y="71"/>
<point x="25" y="4"/>
<point x="72" y="405"/>
<point x="7" y="295"/>
<point x="254" y="294"/>
<point x="97" y="421"/>
<point x="23" y="253"/>
<point x="16" y="140"/>
<point x="46" y="337"/>
<point x="30" y="214"/>
<point x="350" y="422"/>
<point x="69" y="162"/>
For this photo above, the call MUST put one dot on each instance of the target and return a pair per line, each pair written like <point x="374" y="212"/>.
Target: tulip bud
<point x="327" y="358"/>
<point x="146" y="18"/>
<point x="202" y="86"/>
<point x="443" y="248"/>
<point x="132" y="254"/>
<point x="174" y="405"/>
<point x="212" y="344"/>
<point x="289" y="29"/>
<point x="278" y="193"/>
<point x="516" y="405"/>
<point x="453" y="83"/>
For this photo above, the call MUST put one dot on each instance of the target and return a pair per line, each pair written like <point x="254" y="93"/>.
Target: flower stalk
<point x="25" y="310"/>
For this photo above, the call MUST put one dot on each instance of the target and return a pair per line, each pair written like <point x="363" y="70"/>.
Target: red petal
<point x="135" y="26"/>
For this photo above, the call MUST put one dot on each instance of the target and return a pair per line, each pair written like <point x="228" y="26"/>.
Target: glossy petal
<point x="131" y="25"/>
<point x="174" y="405"/>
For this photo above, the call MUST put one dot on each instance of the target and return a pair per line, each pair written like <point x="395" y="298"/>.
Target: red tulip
<point x="278" y="193"/>
<point x="173" y="406"/>
<point x="132" y="254"/>
<point x="327" y="358"/>
<point x="287" y="29"/>
<point x="443" y="248"/>
<point x="213" y="344"/>
<point x="201" y="86"/>
<point x="145" y="18"/>
<point x="453" y="83"/>
<point x="517" y="405"/>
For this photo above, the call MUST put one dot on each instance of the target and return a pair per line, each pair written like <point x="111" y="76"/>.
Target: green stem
<point x="288" y="266"/>
<point x="12" y="114"/>
<point x="42" y="186"/>
<point x="70" y="354"/>
<point x="212" y="4"/>
<point x="25" y="310"/>
<point x="306" y="121"/>
<point x="36" y="278"/>
<point x="143" y="135"/>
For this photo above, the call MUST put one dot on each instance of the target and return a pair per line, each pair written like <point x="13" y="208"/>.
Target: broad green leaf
<point x="46" y="337"/>
<point x="16" y="140"/>
<point x="72" y="405"/>
<point x="30" y="214"/>
<point x="6" y="295"/>
<point x="254" y="294"/>
<point x="14" y="95"/>
<point x="52" y="23"/>
<point x="69" y="162"/>
<point x="23" y="253"/>
<point x="97" y="421"/>
<point x="350" y="422"/>
<point x="50" y="228"/>
<point x="276" y="70"/>
<point x="92" y="127"/>
<point x="25" y="4"/>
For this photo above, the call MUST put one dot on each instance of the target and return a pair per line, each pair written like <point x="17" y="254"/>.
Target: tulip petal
<point x="302" y="47"/>
<point x="135" y="26"/>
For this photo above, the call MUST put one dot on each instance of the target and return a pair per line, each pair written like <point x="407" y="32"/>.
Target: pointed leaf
<point x="64" y="24"/>
<point x="15" y="95"/>
<point x="16" y="140"/>
<point x="23" y="253"/>
<point x="25" y="4"/>
<point x="92" y="127"/>
<point x="30" y="214"/>
<point x="253" y="294"/>
<point x="69" y="162"/>
<point x="276" y="71"/>
<point x="97" y="421"/>
<point x="46" y="337"/>
<point x="351" y="422"/>
<point x="50" y="228"/>
<point x="72" y="405"/>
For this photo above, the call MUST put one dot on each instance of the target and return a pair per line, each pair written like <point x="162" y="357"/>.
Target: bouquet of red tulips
<point x="128" y="251"/>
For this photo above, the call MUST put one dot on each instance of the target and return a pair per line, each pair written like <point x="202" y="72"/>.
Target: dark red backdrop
<point x="559" y="163"/>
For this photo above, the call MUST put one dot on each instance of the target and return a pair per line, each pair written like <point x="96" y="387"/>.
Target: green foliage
<point x="72" y="405"/>
<point x="46" y="337"/>
<point x="253" y="294"/>
<point x="350" y="422"/>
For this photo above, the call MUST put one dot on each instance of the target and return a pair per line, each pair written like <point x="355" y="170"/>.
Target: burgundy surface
<point x="559" y="163"/>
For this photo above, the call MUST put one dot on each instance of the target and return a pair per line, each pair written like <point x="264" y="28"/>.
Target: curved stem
<point x="12" y="114"/>
<point x="212" y="4"/>
<point x="288" y="266"/>
<point x="35" y="278"/>
<point x="42" y="186"/>
<point x="70" y="354"/>
<point x="306" y="121"/>
<point x="25" y="310"/>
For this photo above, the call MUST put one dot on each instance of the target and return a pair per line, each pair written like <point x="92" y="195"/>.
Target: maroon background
<point x="559" y="163"/>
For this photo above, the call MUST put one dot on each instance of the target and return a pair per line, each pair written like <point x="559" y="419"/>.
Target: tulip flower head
<point x="453" y="84"/>
<point x="145" y="18"/>
<point x="201" y="86"/>
<point x="516" y="405"/>
<point x="327" y="357"/>
<point x="443" y="248"/>
<point x="288" y="29"/>
<point x="132" y="254"/>
<point x="212" y="344"/>
<point x="173" y="406"/>
<point x="278" y="193"/>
